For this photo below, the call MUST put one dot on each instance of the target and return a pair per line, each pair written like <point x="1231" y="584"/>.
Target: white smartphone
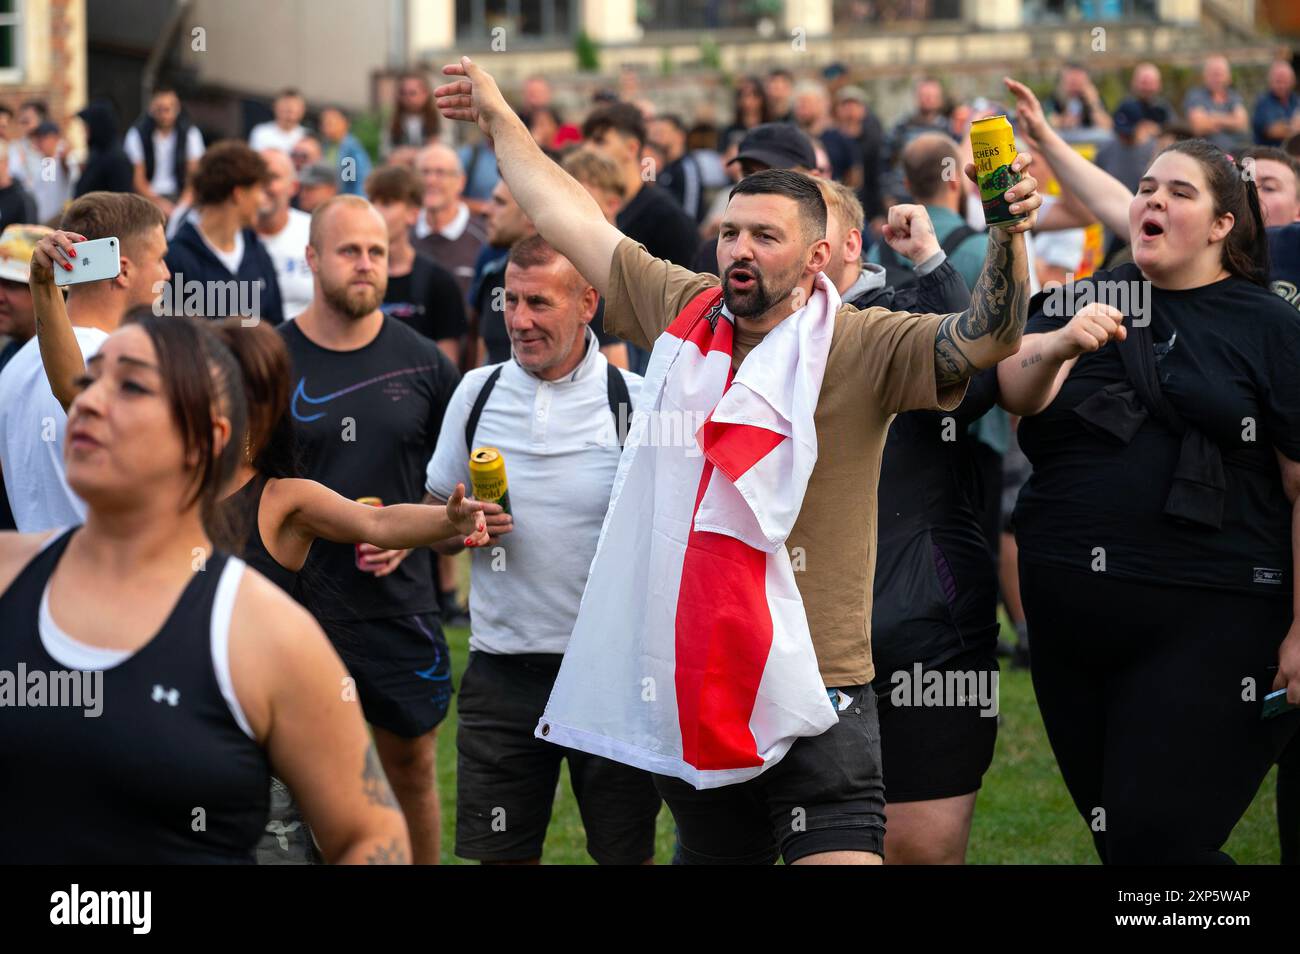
<point x="96" y="260"/>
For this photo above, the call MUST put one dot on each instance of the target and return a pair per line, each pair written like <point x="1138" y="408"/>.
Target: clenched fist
<point x="1092" y="328"/>
<point x="910" y="233"/>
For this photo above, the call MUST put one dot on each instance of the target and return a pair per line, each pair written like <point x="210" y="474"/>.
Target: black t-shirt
<point x="655" y="220"/>
<point x="367" y="422"/>
<point x="428" y="299"/>
<point x="1284" y="262"/>
<point x="1231" y="372"/>
<point x="935" y="585"/>
<point x="490" y="307"/>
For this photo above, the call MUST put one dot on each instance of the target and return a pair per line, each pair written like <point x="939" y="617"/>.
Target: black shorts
<point x="939" y="751"/>
<point x="506" y="777"/>
<point x="825" y="795"/>
<point x="402" y="669"/>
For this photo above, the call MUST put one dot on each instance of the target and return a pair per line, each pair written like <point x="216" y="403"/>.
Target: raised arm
<point x="1100" y="192"/>
<point x="1288" y="655"/>
<point x="563" y="211"/>
<point x="990" y="329"/>
<point x="60" y="352"/>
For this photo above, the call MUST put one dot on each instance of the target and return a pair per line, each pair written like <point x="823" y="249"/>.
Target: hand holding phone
<point x="1275" y="704"/>
<point x="86" y="261"/>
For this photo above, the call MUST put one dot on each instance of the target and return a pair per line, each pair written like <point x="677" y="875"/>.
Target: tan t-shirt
<point x="880" y="363"/>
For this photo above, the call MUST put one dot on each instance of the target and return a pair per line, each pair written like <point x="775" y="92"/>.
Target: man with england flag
<point x="723" y="641"/>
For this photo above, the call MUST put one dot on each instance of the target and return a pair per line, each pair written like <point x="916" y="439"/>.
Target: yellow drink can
<point x="994" y="147"/>
<point x="487" y="475"/>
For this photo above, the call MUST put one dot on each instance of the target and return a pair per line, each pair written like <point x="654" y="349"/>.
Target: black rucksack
<point x="620" y="404"/>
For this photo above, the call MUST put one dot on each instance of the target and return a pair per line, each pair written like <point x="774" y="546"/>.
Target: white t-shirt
<point x="271" y="136"/>
<point x="560" y="450"/>
<point x="229" y="259"/>
<point x="164" y="156"/>
<point x="32" y="425"/>
<point x="288" y="250"/>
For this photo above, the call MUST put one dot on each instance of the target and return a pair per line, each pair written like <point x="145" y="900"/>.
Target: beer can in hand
<point x="487" y="476"/>
<point x="369" y="502"/>
<point x="994" y="147"/>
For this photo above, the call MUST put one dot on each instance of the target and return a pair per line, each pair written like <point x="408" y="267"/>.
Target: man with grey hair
<point x="554" y="410"/>
<point x="1277" y="111"/>
<point x="1216" y="111"/>
<point x="447" y="231"/>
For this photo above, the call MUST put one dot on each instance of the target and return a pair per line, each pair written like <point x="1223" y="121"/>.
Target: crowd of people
<point x="238" y="470"/>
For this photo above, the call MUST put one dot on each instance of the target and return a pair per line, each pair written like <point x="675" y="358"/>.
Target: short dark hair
<point x="6" y="111"/>
<point x="672" y="119"/>
<point x="780" y="71"/>
<point x="162" y="88"/>
<point x="532" y="252"/>
<point x="289" y="91"/>
<point x="923" y="164"/>
<point x="395" y="184"/>
<point x="224" y="168"/>
<point x="793" y="185"/>
<point x="620" y="117"/>
<point x="38" y="105"/>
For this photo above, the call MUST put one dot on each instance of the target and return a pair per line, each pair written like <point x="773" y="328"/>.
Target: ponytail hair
<point x="264" y="364"/>
<point x="1245" y="247"/>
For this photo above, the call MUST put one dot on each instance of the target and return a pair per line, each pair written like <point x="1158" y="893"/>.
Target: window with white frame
<point x="11" y="40"/>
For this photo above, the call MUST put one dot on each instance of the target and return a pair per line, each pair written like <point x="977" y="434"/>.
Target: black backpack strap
<point x="620" y="403"/>
<point x="471" y="423"/>
<point x="958" y="235"/>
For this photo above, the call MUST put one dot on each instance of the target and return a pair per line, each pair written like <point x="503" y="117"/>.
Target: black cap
<point x="777" y="146"/>
<point x="46" y="128"/>
<point x="1127" y="117"/>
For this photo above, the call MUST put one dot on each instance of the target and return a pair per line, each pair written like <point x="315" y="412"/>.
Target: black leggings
<point x="1140" y="687"/>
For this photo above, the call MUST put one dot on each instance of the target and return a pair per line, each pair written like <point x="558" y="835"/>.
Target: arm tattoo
<point x="999" y="306"/>
<point x="391" y="854"/>
<point x="375" y="783"/>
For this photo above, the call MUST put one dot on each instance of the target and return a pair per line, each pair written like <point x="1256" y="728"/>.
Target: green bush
<point x="588" y="52"/>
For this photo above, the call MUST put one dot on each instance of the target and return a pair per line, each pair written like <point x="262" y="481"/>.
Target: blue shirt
<point x="1268" y="110"/>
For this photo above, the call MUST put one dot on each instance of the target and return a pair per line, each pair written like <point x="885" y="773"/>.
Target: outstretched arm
<point x="563" y="211"/>
<point x="990" y="329"/>
<point x="1100" y="192"/>
<point x="60" y="352"/>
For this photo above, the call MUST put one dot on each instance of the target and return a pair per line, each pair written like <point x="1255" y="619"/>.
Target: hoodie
<point x="107" y="167"/>
<point x="191" y="261"/>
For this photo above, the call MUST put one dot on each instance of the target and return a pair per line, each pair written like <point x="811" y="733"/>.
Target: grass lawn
<point x="1023" y="816"/>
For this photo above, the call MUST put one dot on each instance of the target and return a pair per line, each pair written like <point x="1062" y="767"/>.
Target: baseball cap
<point x="1127" y="117"/>
<point x="17" y="243"/>
<point x="853" y="92"/>
<point x="318" y="174"/>
<point x="778" y="146"/>
<point x="46" y="128"/>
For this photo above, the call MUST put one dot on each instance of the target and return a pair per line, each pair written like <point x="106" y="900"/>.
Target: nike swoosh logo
<point x="300" y="392"/>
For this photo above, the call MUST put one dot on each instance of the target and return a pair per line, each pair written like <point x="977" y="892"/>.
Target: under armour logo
<point x="173" y="696"/>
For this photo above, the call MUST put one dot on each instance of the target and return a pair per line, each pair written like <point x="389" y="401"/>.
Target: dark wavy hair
<point x="265" y="370"/>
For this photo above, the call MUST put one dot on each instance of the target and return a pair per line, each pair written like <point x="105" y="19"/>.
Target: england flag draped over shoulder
<point x="691" y="654"/>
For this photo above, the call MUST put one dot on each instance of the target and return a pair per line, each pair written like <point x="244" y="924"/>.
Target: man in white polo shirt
<point x="556" y="412"/>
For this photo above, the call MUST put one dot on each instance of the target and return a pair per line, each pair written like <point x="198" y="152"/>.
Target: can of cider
<point x="369" y="502"/>
<point x="487" y="476"/>
<point x="994" y="146"/>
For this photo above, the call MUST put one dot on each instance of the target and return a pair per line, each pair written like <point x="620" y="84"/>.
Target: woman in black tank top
<point x="163" y="682"/>
<point x="279" y="515"/>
